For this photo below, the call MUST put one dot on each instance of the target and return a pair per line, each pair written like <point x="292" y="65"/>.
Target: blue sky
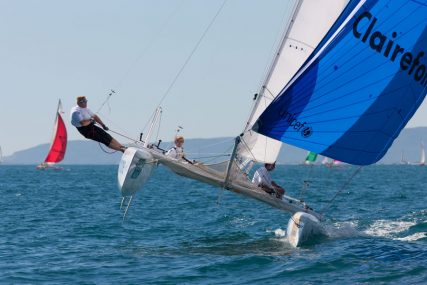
<point x="54" y="49"/>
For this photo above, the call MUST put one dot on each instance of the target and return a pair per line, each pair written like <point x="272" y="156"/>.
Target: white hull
<point x="210" y="174"/>
<point x="302" y="228"/>
<point x="134" y="170"/>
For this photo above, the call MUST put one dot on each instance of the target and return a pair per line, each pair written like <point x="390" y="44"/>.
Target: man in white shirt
<point x="84" y="120"/>
<point x="262" y="178"/>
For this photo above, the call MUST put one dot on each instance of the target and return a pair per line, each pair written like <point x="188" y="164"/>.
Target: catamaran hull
<point x="303" y="228"/>
<point x="135" y="168"/>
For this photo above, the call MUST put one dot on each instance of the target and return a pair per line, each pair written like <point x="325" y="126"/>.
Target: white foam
<point x="342" y="229"/>
<point x="413" y="237"/>
<point x="279" y="233"/>
<point x="387" y="228"/>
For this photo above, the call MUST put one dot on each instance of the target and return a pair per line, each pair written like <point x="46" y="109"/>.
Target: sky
<point x="206" y="71"/>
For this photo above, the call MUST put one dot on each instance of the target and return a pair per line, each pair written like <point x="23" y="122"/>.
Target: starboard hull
<point x="303" y="228"/>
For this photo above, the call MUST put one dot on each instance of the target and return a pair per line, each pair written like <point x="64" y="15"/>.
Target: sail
<point x="359" y="88"/>
<point x="308" y="23"/>
<point x="59" y="143"/>
<point x="1" y="156"/>
<point x="423" y="155"/>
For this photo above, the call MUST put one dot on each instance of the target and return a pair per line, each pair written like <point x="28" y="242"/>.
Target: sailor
<point x="177" y="151"/>
<point x="84" y="120"/>
<point x="262" y="179"/>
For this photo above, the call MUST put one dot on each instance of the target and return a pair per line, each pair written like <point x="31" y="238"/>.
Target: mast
<point x="307" y="24"/>
<point x="273" y="64"/>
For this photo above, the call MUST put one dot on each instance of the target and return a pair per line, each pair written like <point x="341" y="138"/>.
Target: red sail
<point x="59" y="144"/>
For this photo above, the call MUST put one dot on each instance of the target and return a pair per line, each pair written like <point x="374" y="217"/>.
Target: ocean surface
<point x="65" y="227"/>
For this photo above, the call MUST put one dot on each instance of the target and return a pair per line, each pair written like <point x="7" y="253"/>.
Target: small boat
<point x="422" y="155"/>
<point x="58" y="146"/>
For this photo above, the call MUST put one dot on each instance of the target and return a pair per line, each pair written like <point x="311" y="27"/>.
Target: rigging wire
<point x="345" y="185"/>
<point x="150" y="43"/>
<point x="192" y="53"/>
<point x="143" y="53"/>
<point x="306" y="182"/>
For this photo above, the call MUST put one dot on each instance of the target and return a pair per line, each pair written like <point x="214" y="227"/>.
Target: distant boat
<point x="422" y="155"/>
<point x="403" y="160"/>
<point x="1" y="156"/>
<point x="422" y="160"/>
<point x="59" y="143"/>
<point x="311" y="158"/>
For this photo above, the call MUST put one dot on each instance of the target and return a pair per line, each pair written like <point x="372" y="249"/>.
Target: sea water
<point x="65" y="227"/>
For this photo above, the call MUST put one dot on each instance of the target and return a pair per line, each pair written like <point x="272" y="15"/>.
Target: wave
<point x="397" y="230"/>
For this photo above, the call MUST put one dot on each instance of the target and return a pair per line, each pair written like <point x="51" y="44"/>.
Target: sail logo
<point x="380" y="43"/>
<point x="302" y="127"/>
<point x="138" y="168"/>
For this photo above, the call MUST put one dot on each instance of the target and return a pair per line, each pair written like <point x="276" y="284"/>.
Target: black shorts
<point x="95" y="133"/>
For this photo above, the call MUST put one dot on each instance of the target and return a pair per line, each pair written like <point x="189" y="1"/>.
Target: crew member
<point x="262" y="178"/>
<point x="84" y="120"/>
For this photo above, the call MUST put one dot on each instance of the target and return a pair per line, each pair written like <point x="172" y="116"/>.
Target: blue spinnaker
<point x="360" y="87"/>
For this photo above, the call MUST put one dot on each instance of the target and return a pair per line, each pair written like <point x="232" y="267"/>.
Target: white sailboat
<point x="309" y="22"/>
<point x="1" y="156"/>
<point x="308" y="31"/>
<point x="422" y="155"/>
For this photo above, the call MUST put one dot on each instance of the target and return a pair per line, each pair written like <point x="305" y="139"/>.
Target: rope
<point x="211" y="156"/>
<point x="117" y="133"/>
<point x="106" y="151"/>
<point x="106" y="100"/>
<point x="340" y="190"/>
<point x="306" y="182"/>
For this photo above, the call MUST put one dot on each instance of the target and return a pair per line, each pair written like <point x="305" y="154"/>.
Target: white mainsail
<point x="308" y="24"/>
<point x="422" y="155"/>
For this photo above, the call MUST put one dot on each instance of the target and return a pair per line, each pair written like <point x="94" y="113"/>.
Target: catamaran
<point x="346" y="79"/>
<point x="58" y="146"/>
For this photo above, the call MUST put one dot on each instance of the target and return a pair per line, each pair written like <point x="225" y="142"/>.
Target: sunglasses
<point x="83" y="101"/>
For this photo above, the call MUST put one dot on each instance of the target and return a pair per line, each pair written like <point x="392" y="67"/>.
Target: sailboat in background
<point x="311" y="158"/>
<point x="1" y="156"/>
<point x="59" y="143"/>
<point x="403" y="159"/>
<point x="422" y="155"/>
<point x="332" y="89"/>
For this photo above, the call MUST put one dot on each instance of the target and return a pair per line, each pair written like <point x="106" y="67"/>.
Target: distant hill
<point x="211" y="149"/>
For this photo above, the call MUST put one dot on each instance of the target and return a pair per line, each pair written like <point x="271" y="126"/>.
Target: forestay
<point x="308" y="23"/>
<point x="360" y="87"/>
